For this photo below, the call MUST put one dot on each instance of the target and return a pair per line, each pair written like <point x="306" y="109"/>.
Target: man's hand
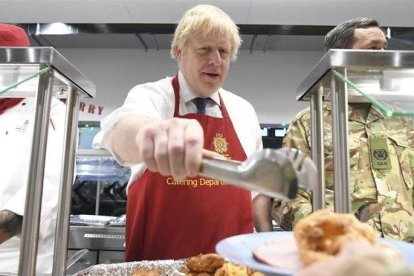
<point x="171" y="147"/>
<point x="368" y="210"/>
<point x="10" y="225"/>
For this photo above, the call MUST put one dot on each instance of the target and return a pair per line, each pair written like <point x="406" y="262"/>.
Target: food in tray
<point x="146" y="272"/>
<point x="230" y="269"/>
<point x="205" y="263"/>
<point x="214" y="264"/>
<point x="318" y="237"/>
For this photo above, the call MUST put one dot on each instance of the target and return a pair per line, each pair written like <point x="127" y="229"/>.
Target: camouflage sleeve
<point x="285" y="213"/>
<point x="298" y="134"/>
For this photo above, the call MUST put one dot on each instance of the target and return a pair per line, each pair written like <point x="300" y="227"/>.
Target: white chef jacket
<point x="156" y="99"/>
<point x="16" y="132"/>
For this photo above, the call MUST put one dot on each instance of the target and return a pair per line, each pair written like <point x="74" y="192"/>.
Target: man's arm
<point x="10" y="225"/>
<point x="261" y="213"/>
<point x="168" y="146"/>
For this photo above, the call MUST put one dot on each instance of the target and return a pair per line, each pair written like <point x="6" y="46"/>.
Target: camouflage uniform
<point x="392" y="188"/>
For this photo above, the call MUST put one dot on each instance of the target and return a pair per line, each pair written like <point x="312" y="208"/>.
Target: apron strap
<point x="176" y="87"/>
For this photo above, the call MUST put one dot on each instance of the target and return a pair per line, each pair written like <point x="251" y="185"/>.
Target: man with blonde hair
<point x="162" y="131"/>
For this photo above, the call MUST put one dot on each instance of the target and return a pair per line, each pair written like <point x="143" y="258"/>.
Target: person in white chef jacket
<point x="16" y="130"/>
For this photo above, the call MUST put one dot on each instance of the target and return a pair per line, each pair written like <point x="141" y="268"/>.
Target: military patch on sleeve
<point x="380" y="155"/>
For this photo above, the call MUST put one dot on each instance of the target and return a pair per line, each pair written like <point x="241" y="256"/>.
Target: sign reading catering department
<point x="195" y="182"/>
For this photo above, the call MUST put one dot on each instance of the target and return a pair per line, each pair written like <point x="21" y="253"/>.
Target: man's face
<point x="369" y="39"/>
<point x="205" y="63"/>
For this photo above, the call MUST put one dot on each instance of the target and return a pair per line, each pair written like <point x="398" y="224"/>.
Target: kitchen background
<point x="118" y="44"/>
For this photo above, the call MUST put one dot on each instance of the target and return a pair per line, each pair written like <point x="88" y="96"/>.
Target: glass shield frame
<point x="383" y="78"/>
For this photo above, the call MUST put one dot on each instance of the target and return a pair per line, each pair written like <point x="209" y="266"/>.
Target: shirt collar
<point x="187" y="94"/>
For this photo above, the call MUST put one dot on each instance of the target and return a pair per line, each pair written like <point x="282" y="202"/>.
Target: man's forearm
<point x="261" y="213"/>
<point x="10" y="225"/>
<point x="124" y="135"/>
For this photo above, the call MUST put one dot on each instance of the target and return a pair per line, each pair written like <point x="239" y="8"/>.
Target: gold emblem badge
<point x="220" y="144"/>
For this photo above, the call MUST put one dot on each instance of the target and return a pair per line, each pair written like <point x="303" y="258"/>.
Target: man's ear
<point x="177" y="53"/>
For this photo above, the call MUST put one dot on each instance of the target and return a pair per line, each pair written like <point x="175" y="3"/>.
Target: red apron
<point x="167" y="219"/>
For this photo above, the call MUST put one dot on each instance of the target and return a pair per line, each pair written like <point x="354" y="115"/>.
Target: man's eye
<point x="203" y="51"/>
<point x="224" y="52"/>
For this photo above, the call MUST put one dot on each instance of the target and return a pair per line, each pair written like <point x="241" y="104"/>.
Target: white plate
<point x="238" y="249"/>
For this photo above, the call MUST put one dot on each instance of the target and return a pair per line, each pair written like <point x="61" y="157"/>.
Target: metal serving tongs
<point x="274" y="172"/>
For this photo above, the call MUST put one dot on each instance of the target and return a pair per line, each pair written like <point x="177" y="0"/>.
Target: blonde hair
<point x="203" y="21"/>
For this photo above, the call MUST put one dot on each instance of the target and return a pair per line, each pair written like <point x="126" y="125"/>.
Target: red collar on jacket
<point x="7" y="103"/>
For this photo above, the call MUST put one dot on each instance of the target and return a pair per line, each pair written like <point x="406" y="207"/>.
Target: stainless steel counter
<point x="97" y="237"/>
<point x="43" y="73"/>
<point x="105" y="245"/>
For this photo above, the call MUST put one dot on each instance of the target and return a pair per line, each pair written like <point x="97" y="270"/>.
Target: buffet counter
<point x="104" y="244"/>
<point x="43" y="73"/>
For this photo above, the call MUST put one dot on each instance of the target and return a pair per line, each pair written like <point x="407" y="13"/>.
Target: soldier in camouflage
<point x="389" y="188"/>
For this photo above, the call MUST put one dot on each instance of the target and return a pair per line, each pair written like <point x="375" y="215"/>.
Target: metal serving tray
<point x="164" y="267"/>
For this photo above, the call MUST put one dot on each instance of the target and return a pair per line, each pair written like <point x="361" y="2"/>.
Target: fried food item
<point x="214" y="265"/>
<point x="230" y="269"/>
<point x="321" y="235"/>
<point x="205" y="263"/>
<point x="146" y="272"/>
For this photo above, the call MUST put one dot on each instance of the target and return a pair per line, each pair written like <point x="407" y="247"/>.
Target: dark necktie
<point x="201" y="104"/>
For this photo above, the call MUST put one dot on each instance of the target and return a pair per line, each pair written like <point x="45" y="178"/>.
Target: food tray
<point x="90" y="220"/>
<point x="164" y="267"/>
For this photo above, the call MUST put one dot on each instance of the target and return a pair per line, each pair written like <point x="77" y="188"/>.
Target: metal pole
<point x="98" y="191"/>
<point x="65" y="193"/>
<point x="31" y="217"/>
<point x="340" y="145"/>
<point x="317" y="145"/>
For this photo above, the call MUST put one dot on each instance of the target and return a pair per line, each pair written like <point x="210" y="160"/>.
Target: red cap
<point x="11" y="35"/>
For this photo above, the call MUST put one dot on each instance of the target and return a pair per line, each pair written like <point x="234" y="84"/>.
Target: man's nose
<point x="215" y="58"/>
